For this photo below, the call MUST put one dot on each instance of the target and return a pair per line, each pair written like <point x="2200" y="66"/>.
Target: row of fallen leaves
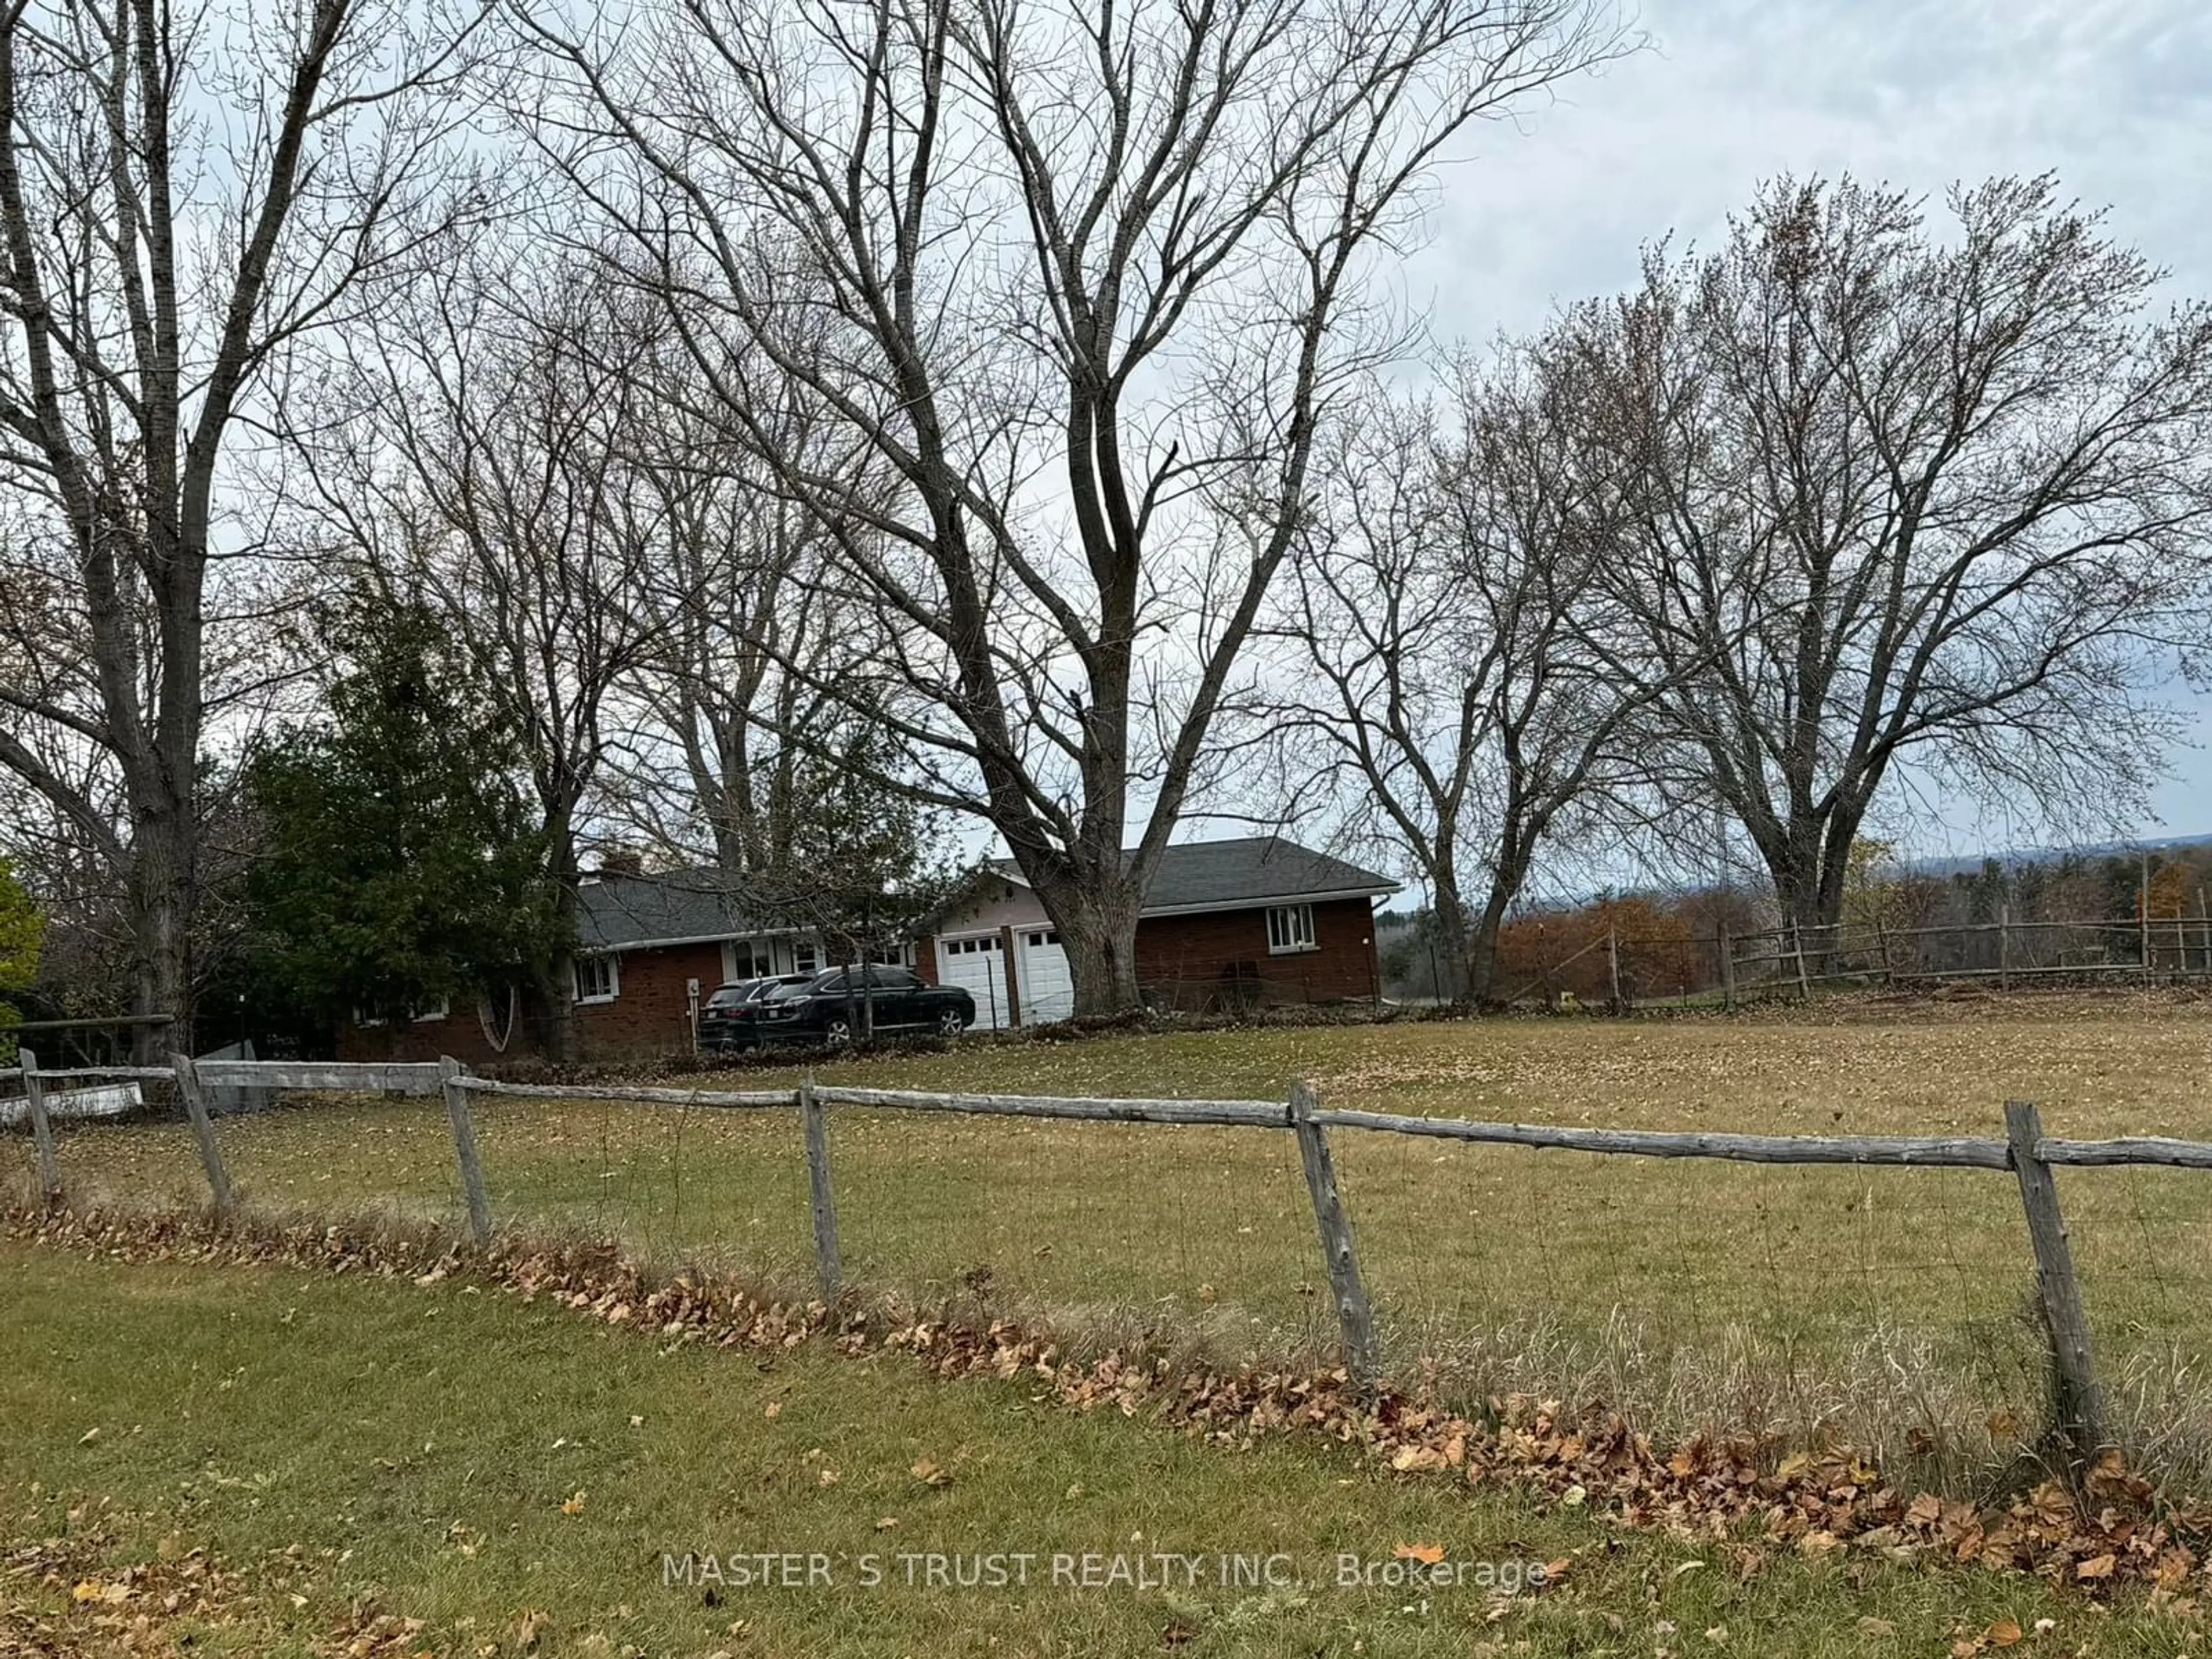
<point x="2113" y="1531"/>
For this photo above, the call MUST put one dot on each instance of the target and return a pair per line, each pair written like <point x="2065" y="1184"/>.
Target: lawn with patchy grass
<point x="342" y="1456"/>
<point x="1887" y="1307"/>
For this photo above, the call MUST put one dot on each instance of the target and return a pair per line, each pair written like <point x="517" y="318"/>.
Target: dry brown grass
<point x="1886" y="1308"/>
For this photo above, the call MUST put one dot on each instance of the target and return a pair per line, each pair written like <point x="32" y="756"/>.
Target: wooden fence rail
<point x="106" y="1073"/>
<point x="1252" y="1114"/>
<point x="1896" y="1150"/>
<point x="2026" y="1151"/>
<point x="716" y="1097"/>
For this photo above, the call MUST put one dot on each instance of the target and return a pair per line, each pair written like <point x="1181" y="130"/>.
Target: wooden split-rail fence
<point x="2026" y="1151"/>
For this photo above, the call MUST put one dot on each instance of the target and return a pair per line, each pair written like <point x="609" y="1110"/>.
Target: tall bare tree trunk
<point x="161" y="899"/>
<point x="1100" y="937"/>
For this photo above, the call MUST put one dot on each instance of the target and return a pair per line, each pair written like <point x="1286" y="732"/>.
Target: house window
<point x="889" y="956"/>
<point x="437" y="1010"/>
<point x="1289" y="927"/>
<point x="746" y="958"/>
<point x="598" y="979"/>
<point x="806" y="957"/>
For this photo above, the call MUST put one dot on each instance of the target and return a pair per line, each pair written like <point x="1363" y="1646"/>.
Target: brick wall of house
<point x="651" y="1015"/>
<point x="459" y="1035"/>
<point x="1220" y="959"/>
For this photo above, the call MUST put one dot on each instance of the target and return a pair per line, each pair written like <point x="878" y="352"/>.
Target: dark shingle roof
<point x="621" y="912"/>
<point x="616" y="912"/>
<point x="1229" y="875"/>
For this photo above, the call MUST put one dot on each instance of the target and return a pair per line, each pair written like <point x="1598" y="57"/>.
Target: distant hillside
<point x="1406" y="910"/>
<point x="1966" y="864"/>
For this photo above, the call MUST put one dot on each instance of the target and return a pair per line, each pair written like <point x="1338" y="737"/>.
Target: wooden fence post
<point x="2004" y="947"/>
<point x="188" y="1089"/>
<point x="1797" y="945"/>
<point x="2077" y="1411"/>
<point x="1355" y="1317"/>
<point x="2143" y="918"/>
<point x="1613" y="964"/>
<point x="828" y="1267"/>
<point x="42" y="1132"/>
<point x="464" y="1149"/>
<point x="1728" y="971"/>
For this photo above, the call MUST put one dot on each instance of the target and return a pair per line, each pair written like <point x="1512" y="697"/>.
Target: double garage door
<point x="978" y="965"/>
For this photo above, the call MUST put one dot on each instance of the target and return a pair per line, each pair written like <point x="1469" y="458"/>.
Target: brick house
<point x="1228" y="925"/>
<point x="649" y="950"/>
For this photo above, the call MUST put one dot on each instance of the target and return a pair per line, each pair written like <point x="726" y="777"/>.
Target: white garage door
<point x="977" y="966"/>
<point x="1048" y="988"/>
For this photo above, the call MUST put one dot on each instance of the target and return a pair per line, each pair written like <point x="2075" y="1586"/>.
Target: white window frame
<point x="805" y="956"/>
<point x="1291" y="930"/>
<point x="613" y="960"/>
<point x="760" y="956"/>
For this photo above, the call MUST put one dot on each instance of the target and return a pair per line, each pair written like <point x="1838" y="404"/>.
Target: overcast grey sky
<point x="2114" y="96"/>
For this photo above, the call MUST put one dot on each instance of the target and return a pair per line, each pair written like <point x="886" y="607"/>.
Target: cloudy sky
<point x="2114" y="96"/>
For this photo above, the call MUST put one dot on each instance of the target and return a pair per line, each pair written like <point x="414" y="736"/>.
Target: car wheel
<point x="837" y="1033"/>
<point x="950" y="1024"/>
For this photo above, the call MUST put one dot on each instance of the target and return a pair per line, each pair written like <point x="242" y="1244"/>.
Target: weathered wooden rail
<point x="2025" y="1151"/>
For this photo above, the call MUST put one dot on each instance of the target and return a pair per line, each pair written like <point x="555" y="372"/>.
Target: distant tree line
<point x="1670" y="944"/>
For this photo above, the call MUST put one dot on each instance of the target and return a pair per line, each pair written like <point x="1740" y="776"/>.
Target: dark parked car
<point x="731" y="1019"/>
<point x="832" y="1006"/>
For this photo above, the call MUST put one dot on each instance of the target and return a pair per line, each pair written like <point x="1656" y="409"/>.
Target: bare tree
<point x="1085" y="281"/>
<point x="1440" y="691"/>
<point x="1915" y="505"/>
<point x="159" y="266"/>
<point x="732" y="750"/>
<point x="490" y="470"/>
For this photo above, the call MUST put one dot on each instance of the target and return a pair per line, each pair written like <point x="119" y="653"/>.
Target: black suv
<point x="731" y="1019"/>
<point x="833" y="1006"/>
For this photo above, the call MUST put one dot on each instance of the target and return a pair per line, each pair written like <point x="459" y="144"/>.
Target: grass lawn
<point x="1887" y="1307"/>
<point x="342" y="1446"/>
